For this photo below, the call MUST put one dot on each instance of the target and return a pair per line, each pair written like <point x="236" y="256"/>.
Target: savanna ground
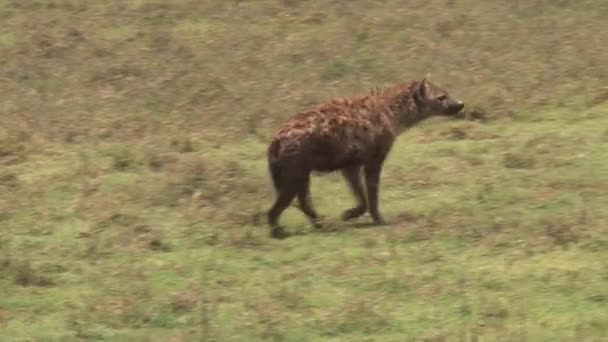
<point x="133" y="174"/>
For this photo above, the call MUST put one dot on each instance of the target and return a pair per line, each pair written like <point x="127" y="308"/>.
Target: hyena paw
<point x="352" y="213"/>
<point x="278" y="233"/>
<point x="378" y="219"/>
<point x="317" y="222"/>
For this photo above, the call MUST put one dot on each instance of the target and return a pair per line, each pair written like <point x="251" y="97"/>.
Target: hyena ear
<point x="419" y="93"/>
<point x="422" y="88"/>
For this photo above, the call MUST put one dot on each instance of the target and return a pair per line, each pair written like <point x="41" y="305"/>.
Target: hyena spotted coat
<point x="353" y="135"/>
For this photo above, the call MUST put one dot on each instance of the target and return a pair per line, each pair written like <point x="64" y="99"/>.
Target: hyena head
<point x="433" y="100"/>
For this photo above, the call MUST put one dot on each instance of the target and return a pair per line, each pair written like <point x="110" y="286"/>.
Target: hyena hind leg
<point x="305" y="203"/>
<point x="284" y="198"/>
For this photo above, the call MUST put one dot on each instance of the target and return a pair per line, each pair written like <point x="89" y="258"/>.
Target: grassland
<point x="132" y="172"/>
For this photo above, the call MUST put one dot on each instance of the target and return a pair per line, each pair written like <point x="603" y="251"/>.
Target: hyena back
<point x="352" y="135"/>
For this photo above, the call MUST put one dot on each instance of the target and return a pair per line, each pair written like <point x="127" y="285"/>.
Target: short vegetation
<point x="134" y="184"/>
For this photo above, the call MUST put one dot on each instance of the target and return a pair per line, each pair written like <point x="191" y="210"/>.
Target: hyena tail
<point x="273" y="164"/>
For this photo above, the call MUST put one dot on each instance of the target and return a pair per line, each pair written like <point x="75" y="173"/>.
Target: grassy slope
<point x="132" y="173"/>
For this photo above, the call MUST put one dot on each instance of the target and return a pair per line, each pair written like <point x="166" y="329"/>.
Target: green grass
<point x="133" y="181"/>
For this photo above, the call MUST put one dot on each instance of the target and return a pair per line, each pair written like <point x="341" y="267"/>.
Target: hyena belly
<point x="339" y="148"/>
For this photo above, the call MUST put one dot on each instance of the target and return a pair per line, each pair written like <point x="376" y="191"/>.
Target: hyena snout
<point x="453" y="106"/>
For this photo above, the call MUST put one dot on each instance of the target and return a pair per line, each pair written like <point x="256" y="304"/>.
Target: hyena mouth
<point x="455" y="108"/>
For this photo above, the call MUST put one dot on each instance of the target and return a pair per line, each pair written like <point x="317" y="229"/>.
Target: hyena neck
<point x="404" y="109"/>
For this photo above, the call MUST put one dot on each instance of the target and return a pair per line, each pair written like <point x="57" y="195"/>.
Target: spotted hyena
<point x="352" y="135"/>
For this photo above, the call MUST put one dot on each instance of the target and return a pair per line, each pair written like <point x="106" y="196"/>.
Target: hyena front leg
<point x="353" y="178"/>
<point x="372" y="179"/>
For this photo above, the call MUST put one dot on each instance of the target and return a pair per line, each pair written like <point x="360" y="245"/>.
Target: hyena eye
<point x="441" y="97"/>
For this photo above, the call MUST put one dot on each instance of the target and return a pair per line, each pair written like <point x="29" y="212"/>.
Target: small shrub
<point x="25" y="275"/>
